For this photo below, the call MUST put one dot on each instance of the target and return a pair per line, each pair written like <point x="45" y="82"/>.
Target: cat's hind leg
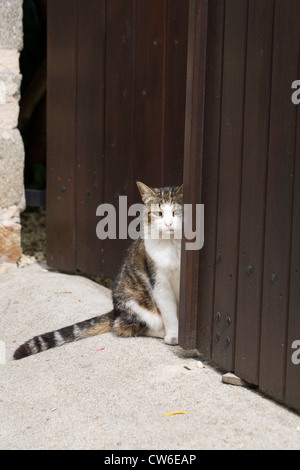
<point x="136" y="320"/>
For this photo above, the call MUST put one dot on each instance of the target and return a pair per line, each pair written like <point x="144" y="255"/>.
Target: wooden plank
<point x="119" y="97"/>
<point x="119" y="124"/>
<point x="279" y="201"/>
<point x="231" y="151"/>
<point x="189" y="289"/>
<point x="210" y="173"/>
<point x="255" y="160"/>
<point x="90" y="133"/>
<point x="61" y="133"/>
<point x="292" y="396"/>
<point x="150" y="69"/>
<point x="175" y="87"/>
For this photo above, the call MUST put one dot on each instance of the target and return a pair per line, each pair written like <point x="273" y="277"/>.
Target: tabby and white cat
<point x="146" y="291"/>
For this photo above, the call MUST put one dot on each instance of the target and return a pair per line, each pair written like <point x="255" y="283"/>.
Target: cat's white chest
<point x="166" y="255"/>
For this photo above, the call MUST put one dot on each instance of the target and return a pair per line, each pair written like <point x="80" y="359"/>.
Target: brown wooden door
<point x="244" y="314"/>
<point x="116" y="114"/>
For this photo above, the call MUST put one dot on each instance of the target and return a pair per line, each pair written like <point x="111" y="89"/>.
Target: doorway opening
<point x="32" y="126"/>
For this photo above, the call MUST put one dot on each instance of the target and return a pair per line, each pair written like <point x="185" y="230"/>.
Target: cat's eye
<point x="157" y="213"/>
<point x="177" y="212"/>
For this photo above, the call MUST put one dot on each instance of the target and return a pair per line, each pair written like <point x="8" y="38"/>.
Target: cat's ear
<point x="179" y="190"/>
<point x="145" y="191"/>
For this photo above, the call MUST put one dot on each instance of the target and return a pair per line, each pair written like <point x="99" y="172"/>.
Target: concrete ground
<point x="81" y="396"/>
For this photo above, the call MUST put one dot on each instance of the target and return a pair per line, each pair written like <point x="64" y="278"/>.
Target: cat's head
<point x="163" y="210"/>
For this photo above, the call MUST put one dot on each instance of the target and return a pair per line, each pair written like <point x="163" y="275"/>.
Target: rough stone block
<point x="233" y="379"/>
<point x="9" y="115"/>
<point x="10" y="83"/>
<point x="11" y="27"/>
<point x="11" y="169"/>
<point x="10" y="243"/>
<point x="9" y="60"/>
<point x="9" y="99"/>
<point x="10" y="216"/>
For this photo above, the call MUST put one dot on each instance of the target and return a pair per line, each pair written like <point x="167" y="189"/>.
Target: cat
<point x="145" y="293"/>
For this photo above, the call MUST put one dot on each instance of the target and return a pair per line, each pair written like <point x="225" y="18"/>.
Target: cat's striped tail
<point x="93" y="326"/>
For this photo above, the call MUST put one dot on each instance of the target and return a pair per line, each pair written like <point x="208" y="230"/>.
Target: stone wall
<point x="12" y="200"/>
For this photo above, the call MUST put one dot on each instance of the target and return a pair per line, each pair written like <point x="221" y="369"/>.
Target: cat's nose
<point x="168" y="223"/>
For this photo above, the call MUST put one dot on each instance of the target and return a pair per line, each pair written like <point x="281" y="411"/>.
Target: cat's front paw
<point x="173" y="340"/>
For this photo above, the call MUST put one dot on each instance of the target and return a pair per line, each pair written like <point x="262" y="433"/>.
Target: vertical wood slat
<point x="119" y="118"/>
<point x="150" y="72"/>
<point x="231" y="150"/>
<point x="119" y="98"/>
<point x="279" y="201"/>
<point x="210" y="172"/>
<point x="189" y="289"/>
<point x="90" y="132"/>
<point x="292" y="384"/>
<point x="175" y="91"/>
<point x="61" y="133"/>
<point x="255" y="158"/>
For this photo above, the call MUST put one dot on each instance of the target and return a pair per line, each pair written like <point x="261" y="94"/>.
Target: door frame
<point x="192" y="172"/>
